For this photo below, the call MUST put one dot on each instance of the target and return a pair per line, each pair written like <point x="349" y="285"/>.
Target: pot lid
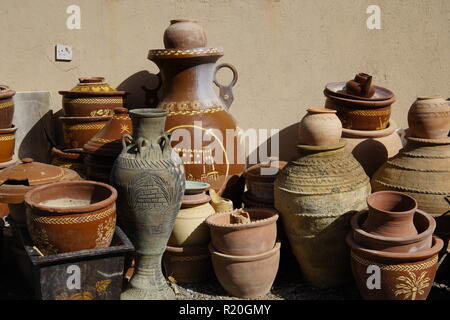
<point x="265" y="171"/>
<point x="6" y="92"/>
<point x="31" y="173"/>
<point x="108" y="141"/>
<point x="92" y="86"/>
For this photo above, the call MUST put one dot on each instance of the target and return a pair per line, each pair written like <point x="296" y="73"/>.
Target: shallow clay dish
<point x="338" y="89"/>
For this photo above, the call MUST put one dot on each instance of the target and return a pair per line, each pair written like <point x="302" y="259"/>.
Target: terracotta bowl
<point x="246" y="276"/>
<point x="92" y="104"/>
<point x="71" y="216"/>
<point x="403" y="276"/>
<point x="188" y="264"/>
<point x="260" y="183"/>
<point x="79" y="130"/>
<point x="425" y="225"/>
<point x="244" y="239"/>
<point x="7" y="144"/>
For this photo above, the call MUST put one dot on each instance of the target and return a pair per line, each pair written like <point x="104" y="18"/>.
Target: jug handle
<point x="226" y="92"/>
<point x="165" y="137"/>
<point x="151" y="95"/>
<point x="126" y="148"/>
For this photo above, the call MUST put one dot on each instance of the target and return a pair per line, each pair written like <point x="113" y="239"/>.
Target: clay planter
<point x="404" y="276"/>
<point x="190" y="228"/>
<point x="184" y="34"/>
<point x="320" y="127"/>
<point x="391" y="214"/>
<point x="423" y="222"/>
<point x="92" y="97"/>
<point x="69" y="159"/>
<point x="7" y="144"/>
<point x="6" y="107"/>
<point x="373" y="148"/>
<point x="79" y="130"/>
<point x="245" y="239"/>
<point x="71" y="216"/>
<point x="246" y="276"/>
<point x="188" y="264"/>
<point x="429" y="118"/>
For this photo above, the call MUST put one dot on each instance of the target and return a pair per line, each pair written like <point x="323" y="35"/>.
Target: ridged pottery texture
<point x="429" y="118"/>
<point x="316" y="196"/>
<point x="150" y="180"/>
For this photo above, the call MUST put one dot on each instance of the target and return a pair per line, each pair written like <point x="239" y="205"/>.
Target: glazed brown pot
<point x="424" y="223"/>
<point x="71" y="216"/>
<point x="246" y="276"/>
<point x="184" y="34"/>
<point x="391" y="214"/>
<point x="69" y="159"/>
<point x="403" y="276"/>
<point x="79" y="130"/>
<point x="6" y="107"/>
<point x="429" y="118"/>
<point x="92" y="97"/>
<point x="320" y="127"/>
<point x="253" y="238"/>
<point x="7" y="144"/>
<point x="188" y="264"/>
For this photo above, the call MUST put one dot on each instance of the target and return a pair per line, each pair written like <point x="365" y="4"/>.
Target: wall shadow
<point x="142" y="87"/>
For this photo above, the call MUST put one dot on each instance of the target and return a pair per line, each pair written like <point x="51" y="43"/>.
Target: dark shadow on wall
<point x="143" y="87"/>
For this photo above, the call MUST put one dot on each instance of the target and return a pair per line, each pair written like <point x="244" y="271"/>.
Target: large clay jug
<point x="150" y="181"/>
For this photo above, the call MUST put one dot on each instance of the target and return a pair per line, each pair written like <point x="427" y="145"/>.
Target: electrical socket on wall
<point x="63" y="53"/>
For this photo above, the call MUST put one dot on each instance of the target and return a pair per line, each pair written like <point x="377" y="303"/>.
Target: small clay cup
<point x="184" y="34"/>
<point x="391" y="214"/>
<point x="253" y="238"/>
<point x="246" y="276"/>
<point x="429" y="118"/>
<point x="188" y="264"/>
<point x="71" y="216"/>
<point x="7" y="144"/>
<point x="424" y="223"/>
<point x="79" y="130"/>
<point x="320" y="127"/>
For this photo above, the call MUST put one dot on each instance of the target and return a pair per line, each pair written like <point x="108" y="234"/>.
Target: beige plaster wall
<point x="285" y="50"/>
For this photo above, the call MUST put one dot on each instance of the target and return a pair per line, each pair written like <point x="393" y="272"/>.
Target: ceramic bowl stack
<point x="394" y="254"/>
<point x="7" y="129"/>
<point x="365" y="112"/>
<point x="187" y="258"/>
<point x="244" y="250"/>
<point x="87" y="109"/>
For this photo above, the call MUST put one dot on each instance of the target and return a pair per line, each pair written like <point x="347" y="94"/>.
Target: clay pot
<point x="373" y="148"/>
<point x="189" y="229"/>
<point x="316" y="196"/>
<point x="92" y="97"/>
<point x="244" y="239"/>
<point x="7" y="144"/>
<point x="69" y="159"/>
<point x="219" y="203"/>
<point x="184" y="34"/>
<point x="6" y="107"/>
<point x="423" y="222"/>
<point x="188" y="264"/>
<point x="320" y="127"/>
<point x="404" y="276"/>
<point x="71" y="216"/>
<point x="391" y="214"/>
<point x="246" y="276"/>
<point x="361" y="86"/>
<point x="79" y="130"/>
<point x="429" y="118"/>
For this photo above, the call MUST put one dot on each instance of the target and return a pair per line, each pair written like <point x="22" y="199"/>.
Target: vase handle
<point x="151" y="95"/>
<point x="125" y="148"/>
<point x="226" y="92"/>
<point x="164" y="142"/>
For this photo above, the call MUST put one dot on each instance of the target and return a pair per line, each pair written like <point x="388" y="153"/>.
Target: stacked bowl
<point x="7" y="129"/>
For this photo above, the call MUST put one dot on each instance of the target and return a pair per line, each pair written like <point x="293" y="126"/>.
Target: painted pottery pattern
<point x="181" y="52"/>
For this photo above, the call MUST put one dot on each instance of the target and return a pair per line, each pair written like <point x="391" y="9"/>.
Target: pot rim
<point x="173" y="21"/>
<point x="430" y="141"/>
<point x="180" y="53"/>
<point x="358" y="104"/>
<point x="148" y="113"/>
<point x="76" y="209"/>
<point x="187" y="251"/>
<point x="230" y="226"/>
<point x="76" y="120"/>
<point x="401" y="257"/>
<point x="72" y="154"/>
<point x="9" y="130"/>
<point x="421" y="98"/>
<point x="6" y="92"/>
<point x="328" y="88"/>
<point x="377" y="194"/>
<point x="340" y="145"/>
<point x="255" y="257"/>
<point x="394" y="240"/>
<point x="76" y="94"/>
<point x="320" y="110"/>
<point x="350" y="133"/>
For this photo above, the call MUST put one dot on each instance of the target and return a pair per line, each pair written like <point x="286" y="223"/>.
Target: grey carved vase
<point x="150" y="181"/>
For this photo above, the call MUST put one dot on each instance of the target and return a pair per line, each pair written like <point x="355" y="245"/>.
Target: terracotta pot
<point x="373" y="148"/>
<point x="79" y="130"/>
<point x="6" y="107"/>
<point x="188" y="264"/>
<point x="7" y="144"/>
<point x="391" y="214"/>
<point x="150" y="180"/>
<point x="424" y="223"/>
<point x="184" y="34"/>
<point x="246" y="276"/>
<point x="320" y="127"/>
<point x="71" y="216"/>
<point x="404" y="276"/>
<point x="245" y="239"/>
<point x="69" y="159"/>
<point x="429" y="118"/>
<point x="190" y="228"/>
<point x="195" y="109"/>
<point x="4" y="210"/>
<point x="92" y="97"/>
<point x="316" y="196"/>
